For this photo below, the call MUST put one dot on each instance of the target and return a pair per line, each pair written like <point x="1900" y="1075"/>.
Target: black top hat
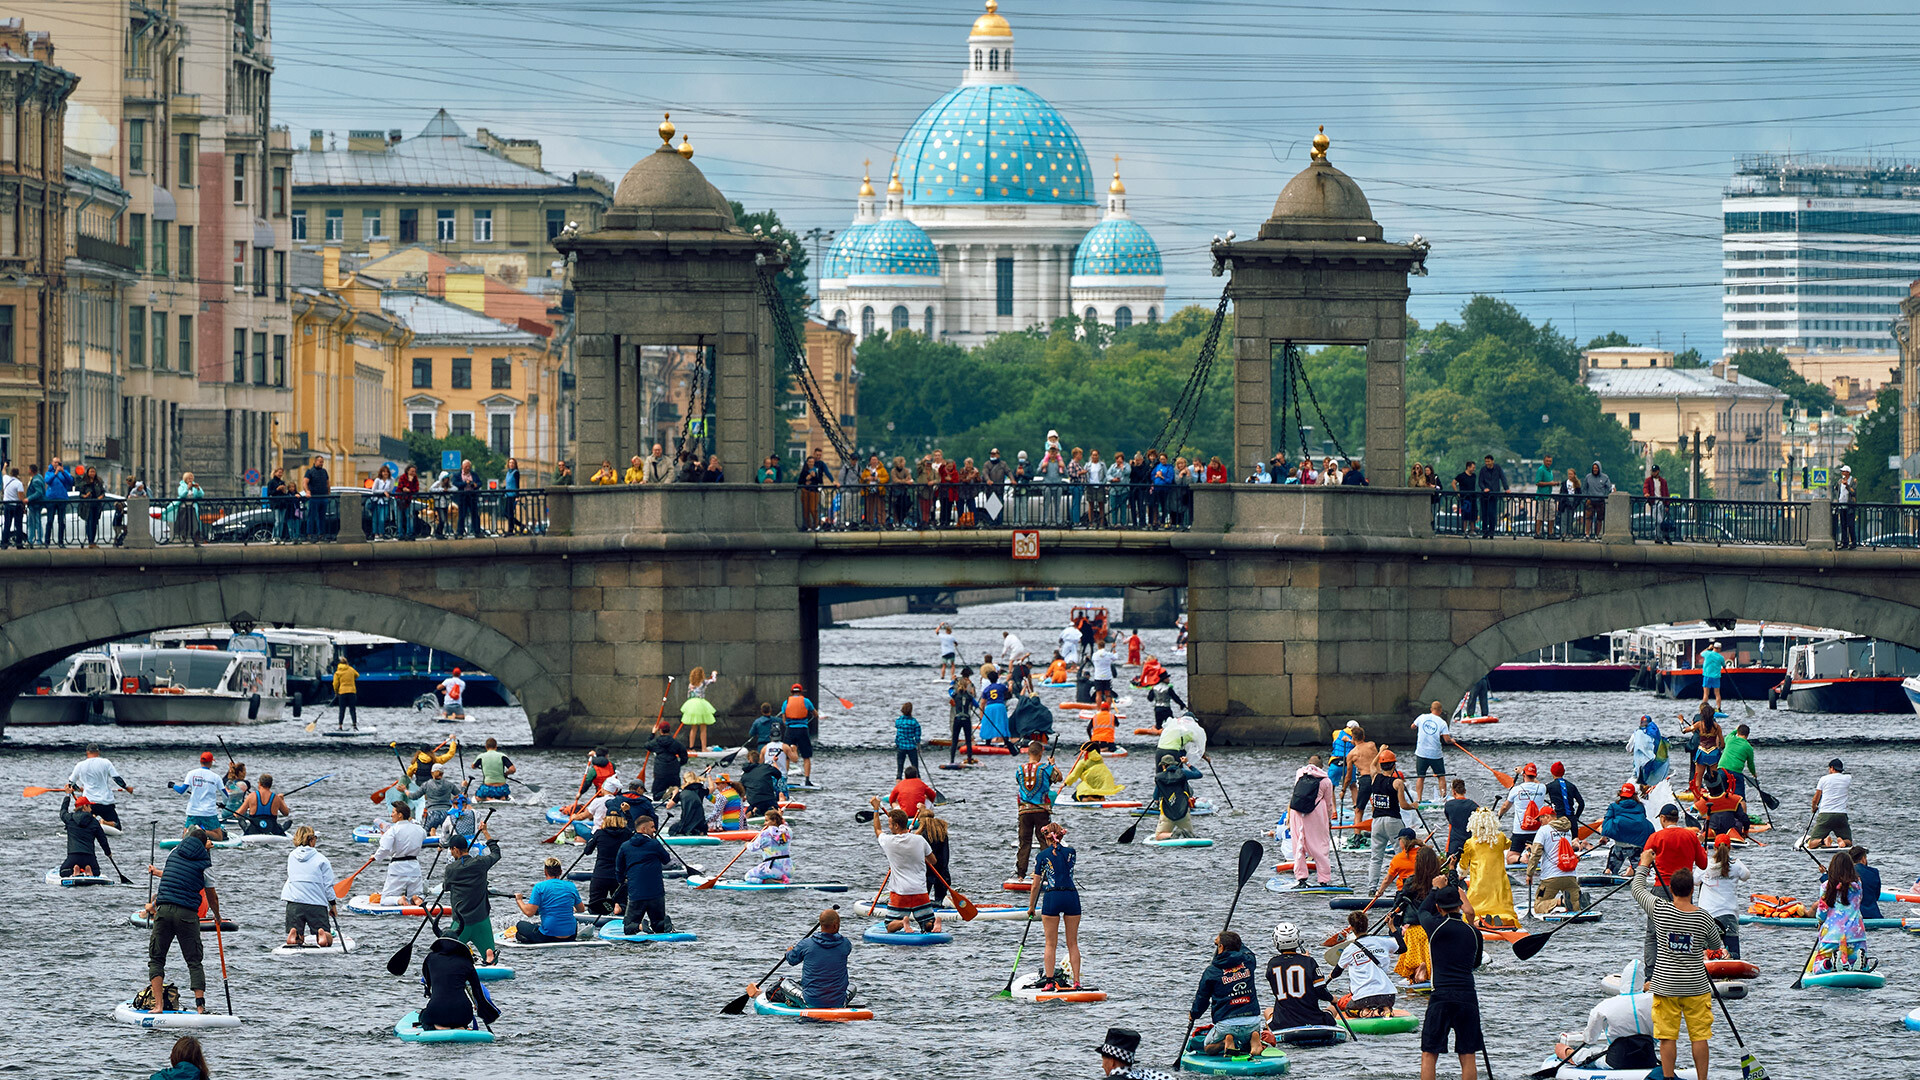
<point x="1121" y="1045"/>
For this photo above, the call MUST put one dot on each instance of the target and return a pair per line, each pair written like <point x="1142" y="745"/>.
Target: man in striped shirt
<point x="1682" y="934"/>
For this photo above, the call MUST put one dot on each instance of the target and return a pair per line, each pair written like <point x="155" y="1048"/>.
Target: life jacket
<point x="1776" y="907"/>
<point x="601" y="772"/>
<point x="1103" y="730"/>
<point x="1564" y="856"/>
<point x="796" y="709"/>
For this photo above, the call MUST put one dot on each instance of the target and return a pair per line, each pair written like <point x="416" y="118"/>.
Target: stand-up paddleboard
<point x="511" y="800"/>
<point x="1024" y="989"/>
<point x="1400" y="1022"/>
<point x="506" y="940"/>
<point x="1098" y="804"/>
<point x="878" y="934"/>
<point x="310" y="946"/>
<point x="364" y="904"/>
<point x="1912" y="1020"/>
<point x="1017" y="885"/>
<point x="349" y="733"/>
<point x="1310" y="1035"/>
<point x="1181" y="841"/>
<point x="1732" y="969"/>
<point x="1201" y="808"/>
<point x="409" y="1029"/>
<point x="493" y="972"/>
<point x="1564" y="916"/>
<point x="613" y="932"/>
<point x="987" y="913"/>
<point x="78" y="880"/>
<point x="1498" y="931"/>
<point x="1847" y="980"/>
<point x="1590" y="1064"/>
<point x="227" y="926"/>
<point x="179" y="1019"/>
<point x="370" y="834"/>
<point x="1768" y="920"/>
<point x="734" y="836"/>
<point x="261" y="838"/>
<point x="978" y="748"/>
<point x="714" y="753"/>
<point x="741" y="885"/>
<point x="1289" y="885"/>
<point x="1271" y="1061"/>
<point x="557" y="816"/>
<point x="690" y="841"/>
<point x="228" y="844"/>
<point x="764" y="1006"/>
<point x="1349" y="903"/>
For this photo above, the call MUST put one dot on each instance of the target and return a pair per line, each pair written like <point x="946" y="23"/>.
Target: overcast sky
<point x="1569" y="157"/>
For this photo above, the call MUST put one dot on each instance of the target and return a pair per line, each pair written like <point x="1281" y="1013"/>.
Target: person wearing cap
<point x="308" y="892"/>
<point x="203" y="788"/>
<point x="1672" y="849"/>
<point x="801" y="719"/>
<point x="1528" y="801"/>
<point x="1830" y="797"/>
<point x="1455" y="949"/>
<point x="83" y="832"/>
<point x="1380" y="799"/>
<point x="1844" y="494"/>
<point x="97" y="779"/>
<point x="1429" y="733"/>
<point x="1173" y="794"/>
<point x="453" y="696"/>
<point x="465" y="881"/>
<point x="1117" y="1056"/>
<point x="1627" y="826"/>
<point x="1400" y="867"/>
<point x="1712" y="663"/>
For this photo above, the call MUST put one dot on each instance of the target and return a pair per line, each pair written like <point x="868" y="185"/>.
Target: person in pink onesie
<point x="1312" y="835"/>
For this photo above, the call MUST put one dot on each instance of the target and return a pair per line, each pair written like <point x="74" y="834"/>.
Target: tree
<point x="1676" y="467"/>
<point x="1612" y="339"/>
<point x="1771" y="367"/>
<point x="792" y="281"/>
<point x="1877" y="439"/>
<point x="424" y="452"/>
<point x="1688" y="360"/>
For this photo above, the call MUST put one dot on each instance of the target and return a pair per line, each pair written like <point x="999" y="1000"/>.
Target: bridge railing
<point x="1719" y="521"/>
<point x="259" y="519"/>
<point x="1879" y="525"/>
<point x="1519" y="514"/>
<point x="1031" y="505"/>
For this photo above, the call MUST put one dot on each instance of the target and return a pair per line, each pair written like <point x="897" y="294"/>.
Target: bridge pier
<point x="1150" y="609"/>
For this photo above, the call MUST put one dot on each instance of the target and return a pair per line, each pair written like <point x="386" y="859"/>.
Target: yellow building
<point x="33" y="244"/>
<point x="347" y="360"/>
<point x="830" y="356"/>
<point x="1662" y="407"/>
<point x="467" y="374"/>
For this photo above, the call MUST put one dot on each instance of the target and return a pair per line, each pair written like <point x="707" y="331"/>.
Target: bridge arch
<point x="32" y="642"/>
<point x="1717" y="596"/>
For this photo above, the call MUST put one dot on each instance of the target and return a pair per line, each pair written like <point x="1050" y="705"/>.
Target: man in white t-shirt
<point x="1830" y="809"/>
<point x="453" y="692"/>
<point x="1371" y="991"/>
<point x="1528" y="791"/>
<point x="97" y="779"/>
<point x="1428" y="732"/>
<point x="1103" y="673"/>
<point x="949" y="650"/>
<point x="1010" y="647"/>
<point x="909" y="858"/>
<point x="775" y="754"/>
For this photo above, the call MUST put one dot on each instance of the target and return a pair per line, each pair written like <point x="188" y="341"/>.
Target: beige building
<point x="1906" y="332"/>
<point x="466" y="374"/>
<point x="100" y="276"/>
<point x="1662" y="407"/>
<point x="1854" y="375"/>
<point x="478" y="199"/>
<point x="347" y="359"/>
<point x="830" y="355"/>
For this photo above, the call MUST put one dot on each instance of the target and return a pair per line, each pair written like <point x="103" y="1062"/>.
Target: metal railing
<point x="1519" y="514"/>
<point x="1877" y="525"/>
<point x="434" y="515"/>
<point x="295" y="519"/>
<point x="1029" y="505"/>
<point x="1719" y="521"/>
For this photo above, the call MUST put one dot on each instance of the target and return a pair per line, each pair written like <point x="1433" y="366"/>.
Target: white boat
<point x="196" y="686"/>
<point x="73" y="691"/>
<point x="1851" y="674"/>
<point x="1912" y="687"/>
<point x="307" y="655"/>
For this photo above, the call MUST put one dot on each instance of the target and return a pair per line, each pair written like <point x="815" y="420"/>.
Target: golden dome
<point x="894" y="186"/>
<point x="1116" y="188"/>
<point x="1320" y="144"/>
<point x="666" y="128"/>
<point x="686" y="148"/>
<point x="992" y="24"/>
<point x="866" y="180"/>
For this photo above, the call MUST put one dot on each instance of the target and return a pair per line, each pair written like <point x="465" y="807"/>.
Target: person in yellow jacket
<point x="873" y="480"/>
<point x="635" y="473"/>
<point x="1094" y="778"/>
<point x="346" y="694"/>
<point x="1484" y="862"/>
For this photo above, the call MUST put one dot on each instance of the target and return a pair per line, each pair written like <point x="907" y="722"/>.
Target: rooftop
<point x="1673" y="382"/>
<point x="441" y="156"/>
<point x="451" y="323"/>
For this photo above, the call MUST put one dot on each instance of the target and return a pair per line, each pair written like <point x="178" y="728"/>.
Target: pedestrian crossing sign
<point x="1817" y="478"/>
<point x="1910" y="491"/>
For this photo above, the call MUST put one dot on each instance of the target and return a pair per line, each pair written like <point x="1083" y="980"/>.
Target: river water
<point x="1150" y="913"/>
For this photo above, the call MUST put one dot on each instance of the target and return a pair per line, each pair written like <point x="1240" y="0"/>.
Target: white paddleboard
<point x="127" y="1014"/>
<point x="312" y="948"/>
<point x="54" y="878"/>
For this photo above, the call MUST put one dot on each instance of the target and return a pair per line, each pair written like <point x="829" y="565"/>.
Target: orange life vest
<point x="1102" y="729"/>
<point x="797" y="707"/>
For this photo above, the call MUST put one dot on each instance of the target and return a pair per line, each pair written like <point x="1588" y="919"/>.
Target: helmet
<point x="1286" y="936"/>
<point x="1386" y="757"/>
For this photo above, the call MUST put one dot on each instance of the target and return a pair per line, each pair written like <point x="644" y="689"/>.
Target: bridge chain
<point x="1186" y="409"/>
<point x="795" y="354"/>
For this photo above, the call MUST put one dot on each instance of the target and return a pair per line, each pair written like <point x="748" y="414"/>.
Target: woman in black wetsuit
<point x="453" y="989"/>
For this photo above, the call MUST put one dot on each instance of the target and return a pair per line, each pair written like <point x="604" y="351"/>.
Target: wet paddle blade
<point x="1751" y="1069"/>
<point x="735" y="1007"/>
<point x="32" y="791"/>
<point x="399" y="962"/>
<point x="1251" y="855"/>
<point x="1527" y="947"/>
<point x="344" y="888"/>
<point x="1127" y="836"/>
<point x="863" y="816"/>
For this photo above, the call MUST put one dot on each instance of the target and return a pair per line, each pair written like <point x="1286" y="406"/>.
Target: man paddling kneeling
<point x="908" y="857"/>
<point x="822" y="956"/>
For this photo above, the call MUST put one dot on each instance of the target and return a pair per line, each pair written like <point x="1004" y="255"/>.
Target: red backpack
<point x="1565" y="857"/>
<point x="1530" y="820"/>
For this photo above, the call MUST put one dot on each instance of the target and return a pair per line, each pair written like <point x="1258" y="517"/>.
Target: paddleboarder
<point x="1682" y="933"/>
<point x="1429" y="756"/>
<point x="1034" y="784"/>
<point x="1378" y="800"/>
<point x="452" y="987"/>
<point x="1483" y="861"/>
<point x="1059" y="901"/>
<point x="604" y="889"/>
<point x="1309" y="814"/>
<point x="467" y="892"/>
<point x="495" y="767"/>
<point x="801" y="719"/>
<point x="960" y="705"/>
<point x="908" y="856"/>
<point x="1091" y="778"/>
<point x="1622" y="1024"/>
<point x="400" y="846"/>
<point x="1830" y="804"/>
<point x="1343" y="744"/>
<point x="174" y="914"/>
<point x="775" y="846"/>
<point x="1370" y="992"/>
<point x="453" y="696"/>
<point x="203" y="788"/>
<point x="1173" y="794"/>
<point x="1294" y="979"/>
<point x="822" y="959"/>
<point x="97" y="779"/>
<point x="308" y="892"/>
<point x="1228" y="990"/>
<point x="1843" y="934"/>
<point x="639" y="866"/>
<point x="1456" y="949"/>
<point x="554" y="901"/>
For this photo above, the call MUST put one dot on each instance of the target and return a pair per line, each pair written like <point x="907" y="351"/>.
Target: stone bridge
<point x="1307" y="606"/>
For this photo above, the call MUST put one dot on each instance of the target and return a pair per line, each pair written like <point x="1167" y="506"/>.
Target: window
<point x="369" y="224"/>
<point x="1122" y="318"/>
<point x="866" y="322"/>
<point x="336" y="224"/>
<point x="279" y="359"/>
<point x="409" y="226"/>
<point x="1153" y="315"/>
<point x="501" y="437"/>
<point x="902" y="318"/>
<point x="279" y="205"/>
<point x="259" y="271"/>
<point x="443" y="225"/>
<point x="1003" y="286"/>
<point x="6" y="438"/>
<point x="421" y="422"/>
<point x="299" y="225"/>
<point x="160" y="230"/>
<point x="929" y="326"/>
<point x="239" y="356"/>
<point x="137" y="239"/>
<point x="136" y="335"/>
<point x="239" y="264"/>
<point x="502" y="373"/>
<point x="482" y="226"/>
<point x="184" y="174"/>
<point x="976" y="59"/>
<point x="159" y="341"/>
<point x="9" y="134"/>
<point x="993" y="60"/>
<point x="239" y="178"/>
<point x="423" y="373"/>
<point x="1091" y="316"/>
<point x="259" y="359"/>
<point x="185" y="262"/>
<point x="137" y="146"/>
<point x="1633" y="421"/>
<point x="460" y="423"/>
<point x="186" y="343"/>
<point x="556" y="221"/>
<point x="462" y="373"/>
<point x="279" y="275"/>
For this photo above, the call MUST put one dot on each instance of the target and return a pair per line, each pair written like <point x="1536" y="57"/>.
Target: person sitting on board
<point x="1117" y="1056"/>
<point x="668" y="756"/>
<point x="822" y="958"/>
<point x="1057" y="671"/>
<point x="1556" y="859"/>
<point x="775" y="845"/>
<point x="1722" y="812"/>
<point x="400" y="845"/>
<point x="690" y="803"/>
<point x="453" y="696"/>
<point x="760" y="787"/>
<point x="1363" y="957"/>
<point x="1173" y="794"/>
<point x="260" y="812"/>
<point x="727" y="809"/>
<point x="494" y="768"/>
<point x="1091" y="779"/>
<point x="1101" y="730"/>
<point x="1228" y="989"/>
<point x="203" y="789"/>
<point x="1627" y="826"/>
<point x="638" y="867"/>
<point x="555" y="901"/>
<point x="83" y="832"/>
<point x="234" y="788"/>
<point x="909" y="857"/>
<point x="452" y="988"/>
<point x="604" y="888"/>
<point x="434" y="797"/>
<point x="1295" y="981"/>
<point x="1869" y="883"/>
<point x="1843" y="934"/>
<point x="308" y="892"/>
<point x="467" y="890"/>
<point x="1622" y="1024"/>
<point x="174" y="913"/>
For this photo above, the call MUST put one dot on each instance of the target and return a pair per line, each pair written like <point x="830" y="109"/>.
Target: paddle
<point x="532" y="788"/>
<point x="1750" y="1067"/>
<point x="31" y="792"/>
<point x="124" y="879"/>
<point x="1127" y="836"/>
<point x="344" y="887"/>
<point x="398" y="963"/>
<point x="844" y="703"/>
<point x="739" y="1005"/>
<point x="715" y="879"/>
<point x="874" y="904"/>
<point x="1528" y="946"/>
<point x="661" y="715"/>
<point x="1505" y="779"/>
<point x="964" y="906"/>
<point x="1033" y="900"/>
<point x="1251" y="855"/>
<point x="395" y="747"/>
<point x="223" y="749"/>
<point x="220" y="943"/>
<point x="1216" y="781"/>
<point x="153" y="840"/>
<point x="306" y="785"/>
<point x="1769" y="801"/>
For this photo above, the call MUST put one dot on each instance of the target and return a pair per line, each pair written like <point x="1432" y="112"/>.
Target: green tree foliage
<point x="1688" y="359"/>
<point x="791" y="282"/>
<point x="1771" y="367"/>
<point x="1674" y="466"/>
<point x="1877" y="440"/>
<point x="1612" y="339"/>
<point x="424" y="452"/>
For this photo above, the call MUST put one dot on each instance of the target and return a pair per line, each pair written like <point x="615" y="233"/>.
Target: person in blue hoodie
<point x="1230" y="988"/>
<point x="59" y="487"/>
<point x="822" y="956"/>
<point x="1627" y="826"/>
<point x="639" y="863"/>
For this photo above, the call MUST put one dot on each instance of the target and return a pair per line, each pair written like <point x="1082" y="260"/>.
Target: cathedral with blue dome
<point x="990" y="221"/>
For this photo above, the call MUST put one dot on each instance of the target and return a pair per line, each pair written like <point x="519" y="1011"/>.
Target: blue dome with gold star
<point x="999" y="143"/>
<point x="1117" y="246"/>
<point x="834" y="265"/>
<point x="894" y="247"/>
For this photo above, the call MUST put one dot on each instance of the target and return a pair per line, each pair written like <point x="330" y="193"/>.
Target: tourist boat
<point x="1851" y="674"/>
<point x="1594" y="665"/>
<point x="395" y="672"/>
<point x="1912" y="686"/>
<point x="305" y="655"/>
<point x="1756" y="655"/>
<point x="73" y="691"/>
<point x="198" y="685"/>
